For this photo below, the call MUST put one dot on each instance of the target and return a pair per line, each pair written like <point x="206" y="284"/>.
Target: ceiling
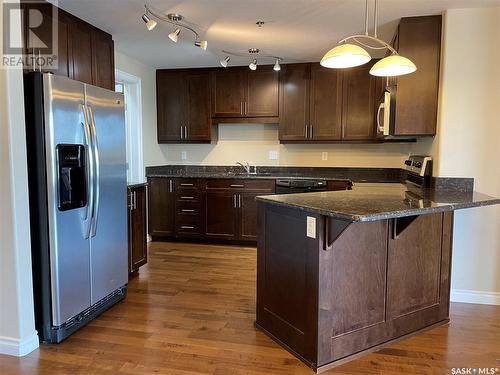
<point x="297" y="30"/>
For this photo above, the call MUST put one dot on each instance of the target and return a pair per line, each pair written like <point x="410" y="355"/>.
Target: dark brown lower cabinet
<point x="161" y="207"/>
<point x="377" y="281"/>
<point x="221" y="215"/>
<point x="137" y="238"/>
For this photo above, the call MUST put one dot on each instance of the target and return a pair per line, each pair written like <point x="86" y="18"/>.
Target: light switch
<point x="311" y="227"/>
<point x="273" y="155"/>
<point x="184" y="155"/>
<point x="324" y="156"/>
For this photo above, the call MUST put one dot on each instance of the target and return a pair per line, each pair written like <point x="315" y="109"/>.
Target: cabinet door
<point x="294" y="102"/>
<point x="248" y="216"/>
<point x="326" y="103"/>
<point x="198" y="119"/>
<point x="262" y="93"/>
<point x="44" y="33"/>
<point x="228" y="96"/>
<point x="81" y="51"/>
<point x="419" y="39"/>
<point x="161" y="207"/>
<point x="103" y="60"/>
<point x="413" y="268"/>
<point x="221" y="215"/>
<point x="170" y="93"/>
<point x="138" y="254"/>
<point x="358" y="114"/>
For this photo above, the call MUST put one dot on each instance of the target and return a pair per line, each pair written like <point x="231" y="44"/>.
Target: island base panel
<point x="372" y="285"/>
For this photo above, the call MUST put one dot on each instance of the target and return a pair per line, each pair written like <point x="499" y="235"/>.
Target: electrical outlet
<point x="311" y="227"/>
<point x="324" y="156"/>
<point x="273" y="155"/>
<point x="184" y="155"/>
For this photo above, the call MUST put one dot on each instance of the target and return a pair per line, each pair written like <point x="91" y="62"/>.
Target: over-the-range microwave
<point x="386" y="112"/>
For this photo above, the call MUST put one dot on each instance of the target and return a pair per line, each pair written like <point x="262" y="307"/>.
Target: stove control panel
<point x="419" y="164"/>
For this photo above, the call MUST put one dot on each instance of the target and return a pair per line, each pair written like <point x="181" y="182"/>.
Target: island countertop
<point x="380" y="201"/>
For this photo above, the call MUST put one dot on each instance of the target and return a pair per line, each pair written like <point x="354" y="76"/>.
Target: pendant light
<point x="346" y="55"/>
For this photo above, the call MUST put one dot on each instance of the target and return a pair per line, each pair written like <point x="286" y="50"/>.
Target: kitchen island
<point x="343" y="273"/>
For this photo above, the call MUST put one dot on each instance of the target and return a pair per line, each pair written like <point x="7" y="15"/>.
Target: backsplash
<point x="258" y="144"/>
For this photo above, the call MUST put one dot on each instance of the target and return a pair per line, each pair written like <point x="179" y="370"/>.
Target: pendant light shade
<point x="174" y="35"/>
<point x="391" y="66"/>
<point x="345" y="56"/>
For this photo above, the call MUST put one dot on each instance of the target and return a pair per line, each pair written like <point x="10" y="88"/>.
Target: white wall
<point x="17" y="326"/>
<point x="153" y="153"/>
<point x="469" y="145"/>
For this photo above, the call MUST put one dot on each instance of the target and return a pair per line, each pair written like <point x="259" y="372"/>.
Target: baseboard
<point x="18" y="348"/>
<point x="472" y="296"/>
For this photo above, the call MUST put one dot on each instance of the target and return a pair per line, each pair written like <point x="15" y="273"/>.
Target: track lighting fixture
<point x="150" y="24"/>
<point x="173" y="19"/>
<point x="253" y="65"/>
<point x="202" y="44"/>
<point x="346" y="55"/>
<point x="225" y="62"/>
<point x="174" y="35"/>
<point x="277" y="66"/>
<point x="252" y="54"/>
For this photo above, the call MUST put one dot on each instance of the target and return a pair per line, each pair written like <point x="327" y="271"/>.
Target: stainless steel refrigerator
<point x="78" y="201"/>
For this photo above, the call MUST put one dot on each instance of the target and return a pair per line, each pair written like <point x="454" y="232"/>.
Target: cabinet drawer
<point x="182" y="184"/>
<point x="240" y="184"/>
<point x="187" y="225"/>
<point x="188" y="207"/>
<point x="188" y="196"/>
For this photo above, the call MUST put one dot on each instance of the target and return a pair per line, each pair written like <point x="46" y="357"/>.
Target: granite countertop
<point x="266" y="172"/>
<point x="371" y="202"/>
<point x="132" y="184"/>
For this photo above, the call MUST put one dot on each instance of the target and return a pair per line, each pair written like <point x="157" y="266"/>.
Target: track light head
<point x="277" y="66"/>
<point x="225" y="62"/>
<point x="174" y="35"/>
<point x="150" y="24"/>
<point x="253" y="65"/>
<point x="202" y="44"/>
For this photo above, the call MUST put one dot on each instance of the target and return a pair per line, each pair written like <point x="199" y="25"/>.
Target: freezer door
<point x="67" y="162"/>
<point x="109" y="246"/>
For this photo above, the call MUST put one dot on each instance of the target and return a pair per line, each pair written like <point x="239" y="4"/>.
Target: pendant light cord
<point x="375" y="19"/>
<point x="366" y="17"/>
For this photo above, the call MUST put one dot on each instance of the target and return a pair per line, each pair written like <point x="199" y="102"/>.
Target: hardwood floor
<point x="191" y="311"/>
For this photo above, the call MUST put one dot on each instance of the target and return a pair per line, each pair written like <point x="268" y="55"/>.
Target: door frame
<point x="133" y="120"/>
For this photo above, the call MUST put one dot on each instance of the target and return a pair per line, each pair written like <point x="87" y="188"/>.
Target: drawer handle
<point x="186" y="227"/>
<point x="237" y="186"/>
<point x="187" y="184"/>
<point x="186" y="210"/>
<point x="187" y="197"/>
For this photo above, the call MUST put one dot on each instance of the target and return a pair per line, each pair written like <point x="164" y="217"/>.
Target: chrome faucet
<point x="248" y="169"/>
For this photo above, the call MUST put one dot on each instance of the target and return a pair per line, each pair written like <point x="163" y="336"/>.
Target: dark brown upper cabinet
<point x="183" y="106"/>
<point x="85" y="53"/>
<point x="358" y="103"/>
<point x="419" y="39"/>
<point x="327" y="105"/>
<point x="294" y="102"/>
<point x="325" y="119"/>
<point x="238" y="92"/>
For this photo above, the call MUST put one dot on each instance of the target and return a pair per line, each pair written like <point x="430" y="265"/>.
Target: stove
<point x="418" y="170"/>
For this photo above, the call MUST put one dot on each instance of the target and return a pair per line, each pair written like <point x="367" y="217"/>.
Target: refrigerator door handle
<point x="90" y="173"/>
<point x="95" y="208"/>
